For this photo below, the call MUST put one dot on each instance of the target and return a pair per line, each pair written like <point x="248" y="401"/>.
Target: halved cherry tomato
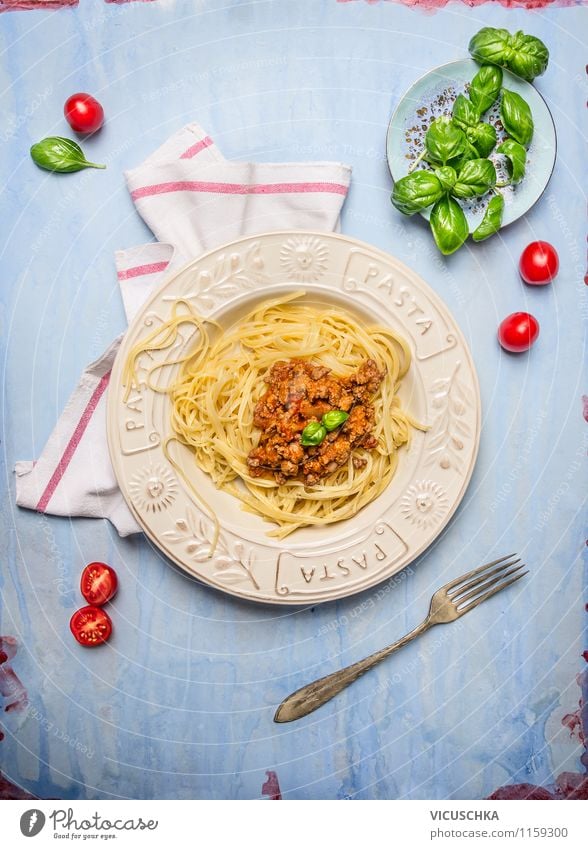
<point x="518" y="331"/>
<point x="91" y="626"/>
<point x="539" y="263"/>
<point x="83" y="113"/>
<point x="98" y="583"/>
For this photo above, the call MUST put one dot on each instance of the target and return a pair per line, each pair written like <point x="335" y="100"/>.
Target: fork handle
<point x="312" y="696"/>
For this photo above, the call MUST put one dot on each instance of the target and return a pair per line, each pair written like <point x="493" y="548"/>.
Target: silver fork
<point x="447" y="605"/>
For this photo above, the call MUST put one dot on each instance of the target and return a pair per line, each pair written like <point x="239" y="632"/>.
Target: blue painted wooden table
<point x="180" y="702"/>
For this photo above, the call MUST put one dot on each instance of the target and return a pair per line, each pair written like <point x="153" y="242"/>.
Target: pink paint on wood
<point x="521" y="791"/>
<point x="573" y="722"/>
<point x="8" y="790"/>
<point x="433" y="5"/>
<point x="8" y="646"/>
<point x="21" y="5"/>
<point x="11" y="687"/>
<point x="271" y="787"/>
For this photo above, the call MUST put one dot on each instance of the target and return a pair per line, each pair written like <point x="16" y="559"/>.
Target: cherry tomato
<point x="539" y="263"/>
<point x="90" y="625"/>
<point x="518" y="331"/>
<point x="98" y="583"/>
<point x="83" y="113"/>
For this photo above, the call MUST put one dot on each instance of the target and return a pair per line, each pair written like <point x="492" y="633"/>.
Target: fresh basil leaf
<point x="529" y="57"/>
<point x="516" y="158"/>
<point x="491" y="45"/>
<point x="516" y="117"/>
<point x="483" y="138"/>
<point x="491" y="221"/>
<point x="465" y="113"/>
<point x="485" y="87"/>
<point x="416" y="192"/>
<point x="444" y="140"/>
<point x="60" y="154"/>
<point x="475" y="178"/>
<point x="469" y="153"/>
<point x="447" y="177"/>
<point x="449" y="225"/>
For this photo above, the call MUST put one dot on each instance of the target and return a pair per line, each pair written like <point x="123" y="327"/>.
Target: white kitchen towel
<point x="193" y="200"/>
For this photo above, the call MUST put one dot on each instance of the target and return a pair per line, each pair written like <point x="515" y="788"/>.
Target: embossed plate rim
<point x="395" y="565"/>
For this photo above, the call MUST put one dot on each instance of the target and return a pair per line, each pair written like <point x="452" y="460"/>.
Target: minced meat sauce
<point x="300" y="392"/>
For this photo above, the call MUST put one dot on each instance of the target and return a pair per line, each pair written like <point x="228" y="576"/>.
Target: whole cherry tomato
<point x="98" y="583"/>
<point x="83" y="113"/>
<point x="91" y="626"/>
<point x="518" y="331"/>
<point x="539" y="263"/>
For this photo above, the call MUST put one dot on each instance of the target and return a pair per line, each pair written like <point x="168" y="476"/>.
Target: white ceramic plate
<point x="313" y="564"/>
<point x="432" y="96"/>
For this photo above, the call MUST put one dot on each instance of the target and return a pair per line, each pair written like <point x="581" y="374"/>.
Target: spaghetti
<point x="222" y="379"/>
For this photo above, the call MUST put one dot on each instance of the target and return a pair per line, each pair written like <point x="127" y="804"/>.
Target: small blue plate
<point x="433" y="95"/>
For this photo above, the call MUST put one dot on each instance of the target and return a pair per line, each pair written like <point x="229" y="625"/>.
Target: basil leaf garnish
<point x="313" y="434"/>
<point x="485" y="87"/>
<point x="449" y="225"/>
<point x="334" y="419"/>
<point x="60" y="154"/>
<point x="516" y="158"/>
<point x="416" y="191"/>
<point x="475" y="178"/>
<point x="491" y="221"/>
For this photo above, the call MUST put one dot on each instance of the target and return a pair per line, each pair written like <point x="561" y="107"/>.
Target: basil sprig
<point x="457" y="147"/>
<point x="491" y="221"/>
<point x="516" y="158"/>
<point x="524" y="55"/>
<point x="60" y="154"/>
<point x="485" y="87"/>
<point x="515" y="114"/>
<point x="449" y="225"/>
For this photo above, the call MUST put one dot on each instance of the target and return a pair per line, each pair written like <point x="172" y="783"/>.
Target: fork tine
<point x="490" y="593"/>
<point x="486" y="585"/>
<point x="480" y="578"/>
<point x="475" y="572"/>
